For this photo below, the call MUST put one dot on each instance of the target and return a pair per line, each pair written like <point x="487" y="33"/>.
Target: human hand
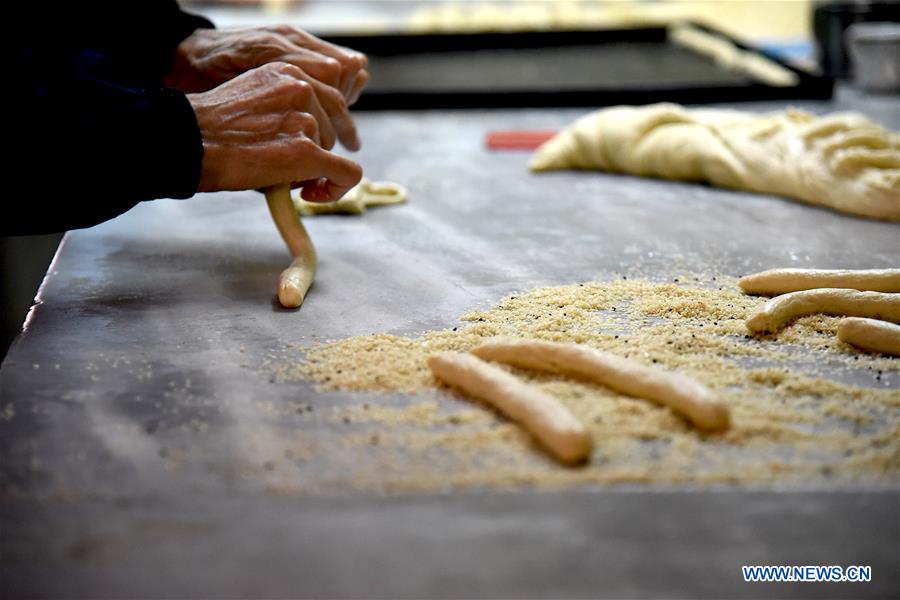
<point x="267" y="126"/>
<point x="210" y="57"/>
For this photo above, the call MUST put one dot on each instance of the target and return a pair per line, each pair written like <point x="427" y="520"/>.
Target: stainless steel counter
<point x="162" y="318"/>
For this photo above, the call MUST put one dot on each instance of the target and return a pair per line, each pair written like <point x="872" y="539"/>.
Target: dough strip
<point x="782" y="281"/>
<point x="779" y="311"/>
<point x="870" y="335"/>
<point x="689" y="398"/>
<point x="545" y="417"/>
<point x="294" y="282"/>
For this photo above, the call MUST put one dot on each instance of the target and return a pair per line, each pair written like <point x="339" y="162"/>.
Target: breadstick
<point x="870" y="335"/>
<point x="781" y="281"/>
<point x="778" y="311"/>
<point x="543" y="416"/>
<point x="685" y="396"/>
<point x="294" y="281"/>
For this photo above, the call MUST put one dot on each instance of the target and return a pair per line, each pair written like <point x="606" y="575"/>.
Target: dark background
<point x="23" y="262"/>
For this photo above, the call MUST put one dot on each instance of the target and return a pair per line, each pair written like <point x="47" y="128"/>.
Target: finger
<point x="346" y="132"/>
<point x="314" y="190"/>
<point x="303" y="123"/>
<point x="350" y="61"/>
<point x="323" y="68"/>
<point x="339" y="173"/>
<point x="362" y="78"/>
<point x="334" y="106"/>
<point x="305" y="99"/>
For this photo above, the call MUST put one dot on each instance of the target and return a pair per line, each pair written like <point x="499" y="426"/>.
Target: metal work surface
<point x="152" y="331"/>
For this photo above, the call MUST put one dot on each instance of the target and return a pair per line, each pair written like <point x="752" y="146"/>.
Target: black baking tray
<point x="557" y="68"/>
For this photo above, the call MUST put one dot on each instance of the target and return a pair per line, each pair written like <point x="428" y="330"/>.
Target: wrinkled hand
<point x="210" y="57"/>
<point x="268" y="126"/>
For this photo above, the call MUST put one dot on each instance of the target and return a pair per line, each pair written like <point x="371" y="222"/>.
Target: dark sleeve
<point x="94" y="135"/>
<point x="83" y="167"/>
<point x="147" y="32"/>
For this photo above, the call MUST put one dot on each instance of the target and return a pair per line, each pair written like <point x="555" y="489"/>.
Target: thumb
<point x="337" y="175"/>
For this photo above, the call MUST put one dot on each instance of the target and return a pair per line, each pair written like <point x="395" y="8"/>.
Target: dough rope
<point x="781" y="281"/>
<point x="730" y="57"/>
<point x="687" y="397"/>
<point x="543" y="416"/>
<point x="842" y="161"/>
<point x="294" y="282"/>
<point x="779" y="311"/>
<point x="870" y="335"/>
<point x="365" y="194"/>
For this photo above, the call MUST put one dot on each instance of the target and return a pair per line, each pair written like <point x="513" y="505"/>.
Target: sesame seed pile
<point x="806" y="408"/>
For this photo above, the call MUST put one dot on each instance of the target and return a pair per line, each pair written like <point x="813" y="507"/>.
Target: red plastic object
<point x="518" y="139"/>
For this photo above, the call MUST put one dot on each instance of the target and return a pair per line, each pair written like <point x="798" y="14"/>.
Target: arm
<point x="102" y="149"/>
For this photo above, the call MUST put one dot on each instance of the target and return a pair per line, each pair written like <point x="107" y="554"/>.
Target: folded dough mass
<point x="843" y="161"/>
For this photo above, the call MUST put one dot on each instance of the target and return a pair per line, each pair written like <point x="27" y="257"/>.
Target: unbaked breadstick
<point x="781" y="281"/>
<point x="778" y="311"/>
<point x="545" y="417"/>
<point x="685" y="396"/>
<point x="294" y="281"/>
<point x="870" y="335"/>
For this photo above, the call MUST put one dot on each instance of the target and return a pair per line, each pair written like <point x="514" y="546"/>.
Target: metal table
<point x="157" y="320"/>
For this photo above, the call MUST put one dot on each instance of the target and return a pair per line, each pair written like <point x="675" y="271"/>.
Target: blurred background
<point x="785" y="25"/>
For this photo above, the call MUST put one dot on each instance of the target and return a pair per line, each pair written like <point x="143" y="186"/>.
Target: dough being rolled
<point x="294" y="282"/>
<point x="843" y="161"/>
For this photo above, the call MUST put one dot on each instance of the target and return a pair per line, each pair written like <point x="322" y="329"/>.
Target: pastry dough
<point x="777" y="312"/>
<point x="870" y="335"/>
<point x="545" y="417"/>
<point x="782" y="281"/>
<point x="682" y="394"/>
<point x="730" y="57"/>
<point x="843" y="161"/>
<point x="294" y="282"/>
<point x="365" y="194"/>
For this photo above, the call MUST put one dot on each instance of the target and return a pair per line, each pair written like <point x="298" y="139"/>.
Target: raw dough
<point x="545" y="417"/>
<point x="782" y="281"/>
<point x="843" y="161"/>
<point x="778" y="311"/>
<point x="365" y="194"/>
<point x="870" y="335"/>
<point x="731" y="57"/>
<point x="683" y="395"/>
<point x="294" y="281"/>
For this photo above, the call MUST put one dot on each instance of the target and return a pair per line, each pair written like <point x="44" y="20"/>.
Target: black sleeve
<point x="94" y="131"/>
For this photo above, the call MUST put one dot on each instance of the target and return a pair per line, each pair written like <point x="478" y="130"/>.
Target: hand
<point x="267" y="127"/>
<point x="210" y="57"/>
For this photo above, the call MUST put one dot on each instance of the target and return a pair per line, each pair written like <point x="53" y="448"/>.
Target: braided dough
<point x="782" y="281"/>
<point x="365" y="194"/>
<point x="543" y="416"/>
<point x="683" y="395"/>
<point x="870" y="335"/>
<point x="294" y="282"/>
<point x="843" y="161"/>
<point x="777" y="312"/>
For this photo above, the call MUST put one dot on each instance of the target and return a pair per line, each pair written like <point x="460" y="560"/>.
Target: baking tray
<point x="559" y="68"/>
